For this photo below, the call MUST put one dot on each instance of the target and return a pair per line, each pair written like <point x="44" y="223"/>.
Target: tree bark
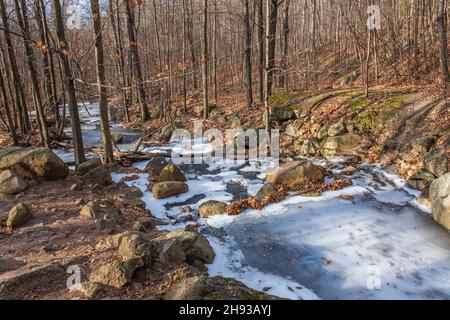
<point x="64" y="52"/>
<point x="205" y="59"/>
<point x="248" y="54"/>
<point x="441" y="26"/>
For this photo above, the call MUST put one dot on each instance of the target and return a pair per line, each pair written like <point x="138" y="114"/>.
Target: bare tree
<point x="205" y="60"/>
<point x="442" y="30"/>
<point x="248" y="54"/>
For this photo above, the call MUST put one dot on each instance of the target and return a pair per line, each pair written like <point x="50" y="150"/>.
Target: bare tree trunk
<point x="271" y="42"/>
<point x="21" y="106"/>
<point x="441" y="26"/>
<point x="12" y="129"/>
<point x="248" y="54"/>
<point x="283" y="78"/>
<point x="40" y="116"/>
<point x="205" y="60"/>
<point x="63" y="51"/>
<point x="104" y="121"/>
<point x="369" y="39"/>
<point x="190" y="32"/>
<point x="261" y="49"/>
<point x="136" y="63"/>
<point x="215" y="51"/>
<point x="184" y="56"/>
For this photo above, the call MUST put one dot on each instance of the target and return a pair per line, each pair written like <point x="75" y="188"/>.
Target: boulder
<point x="171" y="173"/>
<point x="422" y="144"/>
<point x="155" y="166"/>
<point x="284" y="113"/>
<point x="336" y="129"/>
<point x="166" y="132"/>
<point x="235" y="121"/>
<point x="136" y="245"/>
<point x="87" y="289"/>
<point x="214" y="288"/>
<point x="89" y="165"/>
<point x="268" y="188"/>
<point x="116" y="274"/>
<point x="33" y="162"/>
<point x="173" y="252"/>
<point x="440" y="200"/>
<point x="101" y="210"/>
<point x="11" y="183"/>
<point x="194" y="245"/>
<point x="98" y="176"/>
<point x="162" y="190"/>
<point x="309" y="147"/>
<point x="296" y="174"/>
<point x="436" y="163"/>
<point x="421" y="180"/>
<point x="322" y="133"/>
<point x="344" y="145"/>
<point x="18" y="216"/>
<point x="290" y="131"/>
<point x="212" y="208"/>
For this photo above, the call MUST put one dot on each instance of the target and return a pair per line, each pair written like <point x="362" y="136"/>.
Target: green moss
<point x="375" y="115"/>
<point x="283" y="100"/>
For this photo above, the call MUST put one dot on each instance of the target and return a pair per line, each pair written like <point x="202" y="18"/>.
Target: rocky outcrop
<point x="213" y="288"/>
<point x="171" y="173"/>
<point x="297" y="174"/>
<point x="309" y="147"/>
<point x="11" y="183"/>
<point x="33" y="162"/>
<point x="440" y="200"/>
<point x="436" y="163"/>
<point x="18" y="216"/>
<point x="212" y="208"/>
<point x="162" y="190"/>
<point x="283" y="113"/>
<point x="344" y="145"/>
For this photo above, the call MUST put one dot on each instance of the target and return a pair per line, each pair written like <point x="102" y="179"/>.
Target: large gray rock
<point x="213" y="288"/>
<point x="436" y="163"/>
<point x="136" y="245"/>
<point x="194" y="245"/>
<point x="155" y="166"/>
<point x="309" y="147"/>
<point x="88" y="165"/>
<point x="33" y="162"/>
<point x="171" y="173"/>
<point x="11" y="183"/>
<point x="421" y="180"/>
<point x="344" y="145"/>
<point x="336" y="129"/>
<point x="440" y="200"/>
<point x="162" y="190"/>
<point x="422" y="144"/>
<point x="19" y="215"/>
<point x="267" y="188"/>
<point x="212" y="208"/>
<point x="116" y="274"/>
<point x="296" y="174"/>
<point x="98" y="176"/>
<point x="101" y="210"/>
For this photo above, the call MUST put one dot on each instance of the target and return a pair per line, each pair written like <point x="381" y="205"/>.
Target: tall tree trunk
<point x="271" y="42"/>
<point x="215" y="34"/>
<point x="205" y="59"/>
<point x="190" y="31"/>
<point x="20" y="101"/>
<point x="9" y="119"/>
<point x="261" y="49"/>
<point x="22" y="18"/>
<point x="64" y="52"/>
<point x="441" y="26"/>
<point x="47" y="60"/>
<point x="248" y="54"/>
<point x="283" y="77"/>
<point x="104" y="121"/>
<point x="184" y="56"/>
<point x="135" y="62"/>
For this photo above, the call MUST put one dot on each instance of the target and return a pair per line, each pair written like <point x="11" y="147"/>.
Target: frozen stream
<point x="380" y="245"/>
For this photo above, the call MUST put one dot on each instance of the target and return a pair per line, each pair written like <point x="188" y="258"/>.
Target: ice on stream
<point x="380" y="245"/>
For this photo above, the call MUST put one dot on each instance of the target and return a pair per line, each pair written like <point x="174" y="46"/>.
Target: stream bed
<point x="380" y="245"/>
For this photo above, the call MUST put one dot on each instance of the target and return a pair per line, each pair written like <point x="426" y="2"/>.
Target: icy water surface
<point x="379" y="245"/>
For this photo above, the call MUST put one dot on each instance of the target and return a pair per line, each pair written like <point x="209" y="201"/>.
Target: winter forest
<point x="224" y="150"/>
